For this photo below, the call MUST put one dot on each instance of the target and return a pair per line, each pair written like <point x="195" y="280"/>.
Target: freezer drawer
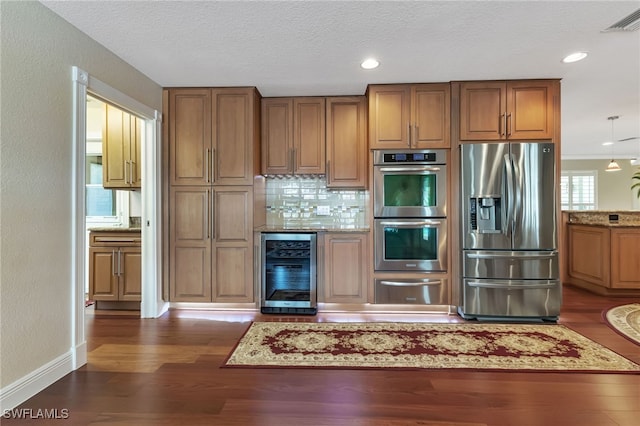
<point x="538" y="265"/>
<point x="512" y="298"/>
<point x="411" y="291"/>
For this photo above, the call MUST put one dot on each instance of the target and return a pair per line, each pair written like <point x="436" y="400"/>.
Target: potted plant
<point x="636" y="177"/>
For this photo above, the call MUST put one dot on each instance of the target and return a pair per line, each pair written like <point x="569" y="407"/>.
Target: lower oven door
<point x="410" y="245"/>
<point x="426" y="291"/>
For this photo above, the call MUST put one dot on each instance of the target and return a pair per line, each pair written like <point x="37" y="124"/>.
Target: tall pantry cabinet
<point x="213" y="156"/>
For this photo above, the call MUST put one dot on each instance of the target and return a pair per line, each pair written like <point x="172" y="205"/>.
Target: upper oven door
<point x="410" y="190"/>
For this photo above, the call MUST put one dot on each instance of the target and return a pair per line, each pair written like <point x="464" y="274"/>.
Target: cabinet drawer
<point x="430" y="291"/>
<point x="110" y="239"/>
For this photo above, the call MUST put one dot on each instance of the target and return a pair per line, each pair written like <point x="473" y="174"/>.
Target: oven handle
<point x="411" y="224"/>
<point x="410" y="284"/>
<point x="410" y="169"/>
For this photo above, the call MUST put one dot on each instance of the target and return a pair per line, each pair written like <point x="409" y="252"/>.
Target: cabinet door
<point x="116" y="142"/>
<point x="190" y="244"/>
<point x="103" y="278"/>
<point x="308" y="135"/>
<point x="482" y="111"/>
<point x="346" y="142"/>
<point x="233" y="244"/>
<point x="389" y="116"/>
<point x="430" y="115"/>
<point x="345" y="277"/>
<point x="136" y="152"/>
<point x="625" y="258"/>
<point x="190" y="136"/>
<point x="530" y="106"/>
<point x="277" y="136"/>
<point x="233" y="136"/>
<point x="589" y="251"/>
<point x="130" y="264"/>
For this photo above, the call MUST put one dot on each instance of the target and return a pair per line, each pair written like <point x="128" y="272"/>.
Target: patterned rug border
<point x="605" y="318"/>
<point x="634" y="365"/>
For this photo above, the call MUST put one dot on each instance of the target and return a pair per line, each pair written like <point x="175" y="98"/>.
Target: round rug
<point x="625" y="319"/>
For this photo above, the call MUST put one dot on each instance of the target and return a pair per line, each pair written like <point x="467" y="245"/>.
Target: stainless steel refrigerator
<point x="510" y="265"/>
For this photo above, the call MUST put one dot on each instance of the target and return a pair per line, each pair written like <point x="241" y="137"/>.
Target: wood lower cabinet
<point x="345" y="267"/>
<point x="508" y="110"/>
<point x="121" y="149"/>
<point x="211" y="244"/>
<point x="346" y="142"/>
<point x="293" y="135"/>
<point x="409" y="116"/>
<point x="115" y="266"/>
<point x="603" y="259"/>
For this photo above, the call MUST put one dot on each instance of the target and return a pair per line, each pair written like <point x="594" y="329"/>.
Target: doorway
<point x="152" y="305"/>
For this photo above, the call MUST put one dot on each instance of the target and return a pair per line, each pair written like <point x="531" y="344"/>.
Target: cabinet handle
<point x="328" y="172"/>
<point x="415" y="134"/>
<point x="508" y="124"/>
<point x="213" y="215"/>
<point x="292" y="154"/>
<point x="206" y="164"/>
<point x="503" y="125"/>
<point x="113" y="262"/>
<point x="119" y="263"/>
<point x="131" y="172"/>
<point x="409" y="134"/>
<point x="206" y="214"/>
<point x="213" y="165"/>
<point x="126" y="168"/>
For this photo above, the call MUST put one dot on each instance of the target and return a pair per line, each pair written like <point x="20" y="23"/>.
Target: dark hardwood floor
<point x="167" y="371"/>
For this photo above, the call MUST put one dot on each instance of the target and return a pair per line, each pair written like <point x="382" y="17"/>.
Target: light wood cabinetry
<point x="513" y="110"/>
<point x="346" y="142"/>
<point x="212" y="136"/>
<point x="415" y="116"/>
<point x="115" y="267"/>
<point x="213" y="158"/>
<point x="121" y="148"/>
<point x="293" y="135"/>
<point x="211" y="234"/>
<point x="605" y="260"/>
<point x="345" y="267"/>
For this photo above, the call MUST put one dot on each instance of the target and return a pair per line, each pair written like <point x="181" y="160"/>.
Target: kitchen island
<point x="603" y="251"/>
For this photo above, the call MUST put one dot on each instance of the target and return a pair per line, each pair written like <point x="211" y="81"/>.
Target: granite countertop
<point x="306" y="228"/>
<point x="613" y="219"/>
<point x="114" y="229"/>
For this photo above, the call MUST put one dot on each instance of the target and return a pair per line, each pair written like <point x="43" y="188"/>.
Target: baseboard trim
<point x="19" y="391"/>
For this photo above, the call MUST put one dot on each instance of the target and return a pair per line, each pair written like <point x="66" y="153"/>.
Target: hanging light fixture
<point x="613" y="165"/>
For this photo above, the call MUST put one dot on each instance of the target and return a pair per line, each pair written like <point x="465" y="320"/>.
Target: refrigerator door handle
<point x="520" y="285"/>
<point x="509" y="254"/>
<point x="508" y="166"/>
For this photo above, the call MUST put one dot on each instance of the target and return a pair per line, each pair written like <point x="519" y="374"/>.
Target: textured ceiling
<point x="293" y="48"/>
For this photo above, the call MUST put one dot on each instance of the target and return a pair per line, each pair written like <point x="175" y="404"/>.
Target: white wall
<point x="38" y="50"/>
<point x="614" y="188"/>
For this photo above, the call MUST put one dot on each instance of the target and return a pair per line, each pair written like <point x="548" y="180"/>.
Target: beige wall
<point x="38" y="50"/>
<point x="614" y="188"/>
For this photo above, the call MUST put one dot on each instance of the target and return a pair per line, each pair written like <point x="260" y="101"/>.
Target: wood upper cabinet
<point x="293" y="135"/>
<point x="121" y="149"/>
<point x="513" y="110"/>
<point x="211" y="244"/>
<point x="115" y="266"/>
<point x="212" y="136"/>
<point x="415" y="116"/>
<point x="346" y="142"/>
<point x="345" y="267"/>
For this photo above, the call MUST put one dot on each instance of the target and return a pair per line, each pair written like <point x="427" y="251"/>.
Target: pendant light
<point x="613" y="165"/>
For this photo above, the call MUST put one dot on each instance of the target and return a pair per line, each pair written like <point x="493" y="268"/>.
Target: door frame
<point x="152" y="304"/>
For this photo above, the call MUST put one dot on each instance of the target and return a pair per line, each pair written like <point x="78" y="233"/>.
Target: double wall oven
<point x="410" y="225"/>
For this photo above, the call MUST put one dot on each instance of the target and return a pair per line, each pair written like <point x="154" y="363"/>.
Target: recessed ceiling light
<point x="369" y="64"/>
<point x="574" y="57"/>
<point x="607" y="143"/>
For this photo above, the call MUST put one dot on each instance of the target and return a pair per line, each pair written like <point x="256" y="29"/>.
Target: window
<point x="578" y="190"/>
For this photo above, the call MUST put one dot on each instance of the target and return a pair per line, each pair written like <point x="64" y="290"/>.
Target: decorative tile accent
<point x="295" y="201"/>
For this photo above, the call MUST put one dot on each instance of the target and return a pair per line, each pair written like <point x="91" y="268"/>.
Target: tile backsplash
<point x="297" y="200"/>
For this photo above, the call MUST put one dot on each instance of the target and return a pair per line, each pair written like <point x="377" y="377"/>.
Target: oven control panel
<point x="435" y="156"/>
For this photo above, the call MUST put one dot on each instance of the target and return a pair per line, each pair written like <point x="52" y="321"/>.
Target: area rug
<point x="507" y="347"/>
<point x="625" y="319"/>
